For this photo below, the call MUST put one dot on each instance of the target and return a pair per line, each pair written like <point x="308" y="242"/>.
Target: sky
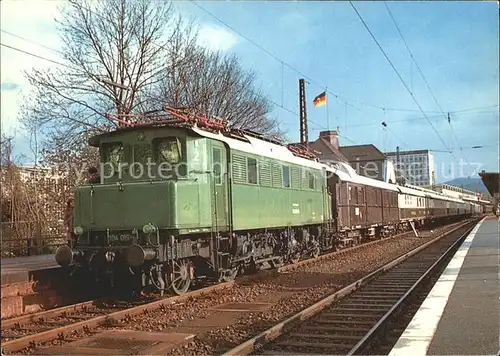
<point x="455" y="45"/>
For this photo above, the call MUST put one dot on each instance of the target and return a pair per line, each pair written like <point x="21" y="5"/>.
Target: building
<point x="455" y="192"/>
<point x="367" y="160"/>
<point x="327" y="147"/>
<point x="417" y="167"/>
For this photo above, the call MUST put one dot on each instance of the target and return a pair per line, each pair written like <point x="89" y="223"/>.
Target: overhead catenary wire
<point x="337" y="96"/>
<point x="283" y="64"/>
<point x="399" y="76"/>
<point x="413" y="59"/>
<point x="36" y="55"/>
<point x="346" y="101"/>
<point x="422" y="74"/>
<point x="30" y="41"/>
<point x="253" y="92"/>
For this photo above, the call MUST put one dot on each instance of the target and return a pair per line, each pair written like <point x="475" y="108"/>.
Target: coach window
<point x="286" y="176"/>
<point x="252" y="170"/>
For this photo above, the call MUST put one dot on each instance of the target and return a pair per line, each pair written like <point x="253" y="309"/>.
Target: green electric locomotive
<point x="186" y="199"/>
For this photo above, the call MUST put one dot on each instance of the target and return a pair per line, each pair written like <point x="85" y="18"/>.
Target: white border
<point x="418" y="335"/>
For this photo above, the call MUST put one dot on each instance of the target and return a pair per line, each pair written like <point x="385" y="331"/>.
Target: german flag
<point x="320" y="100"/>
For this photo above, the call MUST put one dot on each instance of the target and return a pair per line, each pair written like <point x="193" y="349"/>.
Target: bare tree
<point x="114" y="50"/>
<point x="127" y="56"/>
<point x="30" y="203"/>
<point x="215" y="84"/>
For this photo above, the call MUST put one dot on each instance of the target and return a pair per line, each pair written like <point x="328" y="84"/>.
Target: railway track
<point x="355" y="320"/>
<point x="58" y="324"/>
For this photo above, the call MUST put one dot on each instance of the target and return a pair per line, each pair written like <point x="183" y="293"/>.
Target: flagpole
<point x="327" y="117"/>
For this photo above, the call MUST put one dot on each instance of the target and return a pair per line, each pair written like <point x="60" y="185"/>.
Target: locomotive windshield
<point x="169" y="150"/>
<point x="113" y="153"/>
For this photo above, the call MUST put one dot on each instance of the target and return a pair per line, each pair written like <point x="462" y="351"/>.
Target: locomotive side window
<point x="168" y="150"/>
<point x="217" y="165"/>
<point x="286" y="176"/>
<point x="311" y="180"/>
<point x="113" y="154"/>
<point x="252" y="170"/>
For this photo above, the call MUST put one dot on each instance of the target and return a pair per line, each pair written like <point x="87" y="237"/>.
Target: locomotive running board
<point x="413" y="227"/>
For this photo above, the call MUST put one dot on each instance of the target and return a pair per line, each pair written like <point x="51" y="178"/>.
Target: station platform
<point x="21" y="269"/>
<point x="461" y="314"/>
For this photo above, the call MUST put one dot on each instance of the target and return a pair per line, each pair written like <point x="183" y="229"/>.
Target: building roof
<point x="453" y="188"/>
<point x="402" y="153"/>
<point x="332" y="151"/>
<point x="492" y="182"/>
<point x="362" y="153"/>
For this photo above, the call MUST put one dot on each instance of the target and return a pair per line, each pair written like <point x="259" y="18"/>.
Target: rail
<point x="35" y="329"/>
<point x="352" y="312"/>
<point x="376" y="329"/>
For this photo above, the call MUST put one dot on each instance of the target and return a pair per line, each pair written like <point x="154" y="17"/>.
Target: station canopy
<point x="491" y="181"/>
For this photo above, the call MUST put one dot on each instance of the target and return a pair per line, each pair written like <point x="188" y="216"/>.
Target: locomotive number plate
<point x="120" y="238"/>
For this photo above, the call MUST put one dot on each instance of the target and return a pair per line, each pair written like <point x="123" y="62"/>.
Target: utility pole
<point x="397" y="159"/>
<point x="303" y="113"/>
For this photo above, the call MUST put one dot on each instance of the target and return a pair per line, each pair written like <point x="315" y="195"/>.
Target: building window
<point x="252" y="170"/>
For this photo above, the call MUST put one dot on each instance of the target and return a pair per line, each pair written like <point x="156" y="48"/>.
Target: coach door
<point x="219" y="187"/>
<point x="334" y="186"/>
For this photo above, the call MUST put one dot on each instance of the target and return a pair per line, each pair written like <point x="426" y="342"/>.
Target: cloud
<point x="8" y="85"/>
<point x="216" y="38"/>
<point x="302" y="25"/>
<point x="34" y="21"/>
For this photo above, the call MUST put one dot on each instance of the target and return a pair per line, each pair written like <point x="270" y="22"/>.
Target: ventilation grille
<point x="239" y="169"/>
<point x="265" y="173"/>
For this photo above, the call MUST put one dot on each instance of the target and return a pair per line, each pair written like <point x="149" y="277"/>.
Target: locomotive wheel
<point x="276" y="263"/>
<point x="181" y="279"/>
<point x="295" y="258"/>
<point x="230" y="275"/>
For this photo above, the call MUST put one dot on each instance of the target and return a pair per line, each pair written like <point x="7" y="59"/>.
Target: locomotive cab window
<point x="113" y="154"/>
<point x="252" y="170"/>
<point x="168" y="150"/>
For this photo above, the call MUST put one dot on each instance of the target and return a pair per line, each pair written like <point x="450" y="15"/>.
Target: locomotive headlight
<point x="149" y="228"/>
<point x="78" y="230"/>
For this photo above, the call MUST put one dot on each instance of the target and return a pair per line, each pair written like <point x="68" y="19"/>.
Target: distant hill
<point x="474" y="184"/>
